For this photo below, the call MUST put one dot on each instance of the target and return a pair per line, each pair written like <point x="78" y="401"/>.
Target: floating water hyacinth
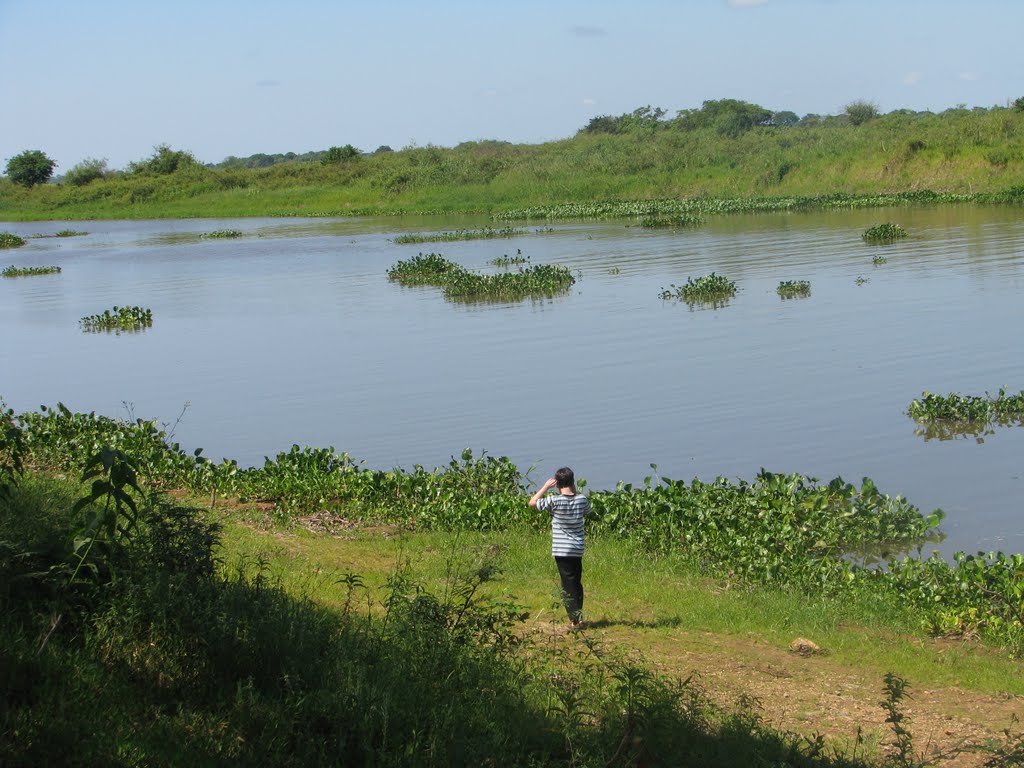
<point x="460" y="284"/>
<point x="884" y="233"/>
<point x="794" y="289"/>
<point x="7" y="240"/>
<point x="708" y="288"/>
<point x="118" y="319"/>
<point x="13" y="271"/>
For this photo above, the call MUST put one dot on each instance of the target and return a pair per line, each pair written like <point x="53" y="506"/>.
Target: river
<point x="292" y="333"/>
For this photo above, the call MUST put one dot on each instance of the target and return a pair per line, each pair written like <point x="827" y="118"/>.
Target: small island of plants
<point x="7" y="240"/>
<point x="884" y="233"/>
<point x="707" y="289"/>
<point x="954" y="407"/>
<point x="794" y="289"/>
<point x="118" y="319"/>
<point x="222" y="234"/>
<point x="487" y="233"/>
<point x="13" y="271"/>
<point x="460" y="284"/>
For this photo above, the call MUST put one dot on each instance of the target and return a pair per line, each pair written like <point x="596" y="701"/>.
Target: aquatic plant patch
<point x="794" y="289"/>
<point x="509" y="261"/>
<point x="954" y="407"/>
<point x="678" y="221"/>
<point x="487" y="233"/>
<point x="707" y="288"/>
<point x="13" y="271"/>
<point x="884" y="233"/>
<point x="8" y="240"/>
<point x="701" y="206"/>
<point x="222" y="234"/>
<point x="877" y="260"/>
<point x="459" y="284"/>
<point x="64" y="233"/>
<point x="118" y="319"/>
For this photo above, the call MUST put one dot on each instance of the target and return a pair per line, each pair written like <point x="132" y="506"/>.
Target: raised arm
<point x="548" y="485"/>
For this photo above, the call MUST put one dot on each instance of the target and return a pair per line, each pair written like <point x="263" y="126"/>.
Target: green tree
<point x="1018" y="104"/>
<point x="88" y="170"/>
<point x="29" y="168"/>
<point x="785" y="117"/>
<point x="859" y="112"/>
<point x="727" y="117"/>
<point x="339" y="154"/>
<point x="164" y="160"/>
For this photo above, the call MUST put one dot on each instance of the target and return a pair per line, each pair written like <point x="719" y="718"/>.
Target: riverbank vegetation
<point x="8" y="240"/>
<point x="725" y="156"/>
<point x="125" y="605"/>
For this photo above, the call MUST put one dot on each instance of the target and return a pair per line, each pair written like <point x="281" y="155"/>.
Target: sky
<point x="112" y="79"/>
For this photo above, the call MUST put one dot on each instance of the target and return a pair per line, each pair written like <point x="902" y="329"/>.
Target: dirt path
<point x="811" y="694"/>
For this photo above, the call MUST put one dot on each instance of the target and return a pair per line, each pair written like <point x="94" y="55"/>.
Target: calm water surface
<point x="293" y="334"/>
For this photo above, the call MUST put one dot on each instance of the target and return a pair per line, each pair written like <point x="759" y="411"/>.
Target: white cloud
<point x="912" y="78"/>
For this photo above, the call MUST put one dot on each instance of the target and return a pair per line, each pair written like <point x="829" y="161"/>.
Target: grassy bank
<point x="968" y="153"/>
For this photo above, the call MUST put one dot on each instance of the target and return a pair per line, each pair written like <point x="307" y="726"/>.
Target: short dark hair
<point x="564" y="478"/>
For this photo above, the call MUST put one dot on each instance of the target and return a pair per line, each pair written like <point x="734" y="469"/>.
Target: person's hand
<point x="551" y="483"/>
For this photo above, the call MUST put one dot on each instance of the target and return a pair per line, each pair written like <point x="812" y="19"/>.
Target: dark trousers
<point x="570" y="571"/>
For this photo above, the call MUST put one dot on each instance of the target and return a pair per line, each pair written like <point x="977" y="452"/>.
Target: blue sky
<point x="111" y="79"/>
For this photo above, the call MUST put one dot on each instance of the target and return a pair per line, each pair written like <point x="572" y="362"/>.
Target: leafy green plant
<point x="13" y="271"/>
<point x="966" y="408"/>
<point x="884" y="233"/>
<point x="222" y="233"/>
<point x="877" y="260"/>
<point x="69" y="233"/>
<point x="8" y="240"/>
<point x="704" y="289"/>
<point x="794" y="289"/>
<point x="118" y="319"/>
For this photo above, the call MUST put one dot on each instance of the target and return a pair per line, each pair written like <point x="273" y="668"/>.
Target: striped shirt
<point x="567" y="513"/>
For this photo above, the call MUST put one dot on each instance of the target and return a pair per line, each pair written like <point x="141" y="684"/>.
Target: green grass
<point x="487" y="233"/>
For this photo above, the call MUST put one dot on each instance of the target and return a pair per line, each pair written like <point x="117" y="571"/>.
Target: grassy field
<point x="976" y="152"/>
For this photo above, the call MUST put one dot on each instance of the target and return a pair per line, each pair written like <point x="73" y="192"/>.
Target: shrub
<point x="86" y="171"/>
<point x="860" y="112"/>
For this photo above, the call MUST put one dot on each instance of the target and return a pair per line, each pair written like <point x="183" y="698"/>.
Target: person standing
<point x="567" y="509"/>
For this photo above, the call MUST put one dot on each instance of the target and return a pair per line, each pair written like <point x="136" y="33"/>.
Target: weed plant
<point x="884" y="233"/>
<point x="794" y="289"/>
<point x="878" y="260"/>
<point x="13" y="271"/>
<point x="704" y="289"/>
<point x="7" y="240"/>
<point x="118" y="319"/>
<point x="222" y="234"/>
<point x="69" y="233"/>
